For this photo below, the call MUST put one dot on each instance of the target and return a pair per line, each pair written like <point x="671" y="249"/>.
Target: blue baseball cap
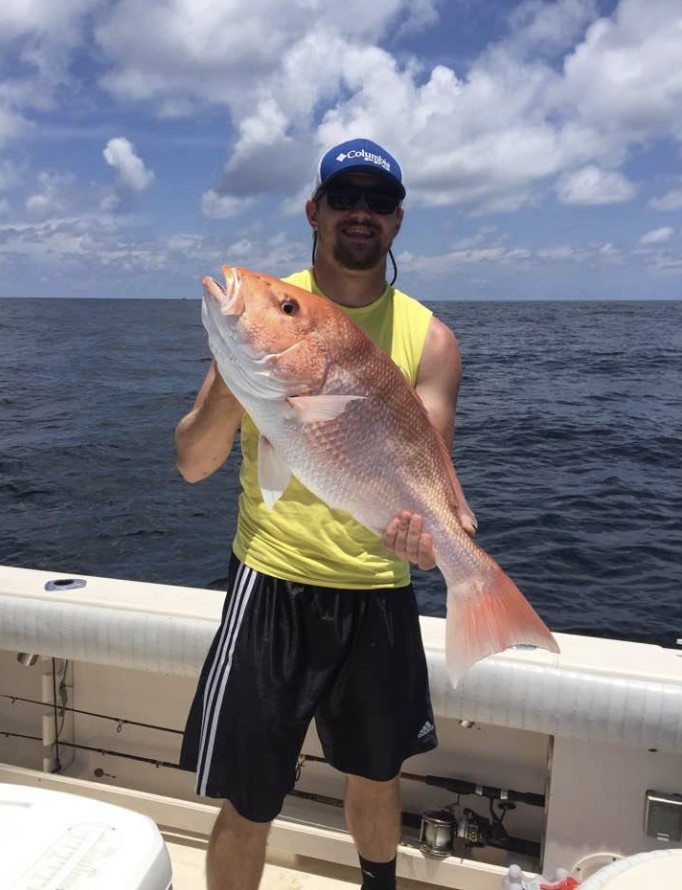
<point x="360" y="156"/>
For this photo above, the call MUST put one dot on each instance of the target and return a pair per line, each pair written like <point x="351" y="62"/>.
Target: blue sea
<point x="568" y="444"/>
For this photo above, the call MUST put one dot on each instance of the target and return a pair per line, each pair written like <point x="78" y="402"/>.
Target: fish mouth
<point x="228" y="297"/>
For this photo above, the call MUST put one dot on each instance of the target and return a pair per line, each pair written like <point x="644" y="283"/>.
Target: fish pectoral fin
<point x="273" y="473"/>
<point x="312" y="409"/>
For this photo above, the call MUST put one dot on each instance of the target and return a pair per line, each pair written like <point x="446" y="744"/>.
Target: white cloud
<point x="497" y="255"/>
<point x="562" y="90"/>
<point x="590" y="185"/>
<point x="263" y="148"/>
<point x="222" y="53"/>
<point x="86" y="243"/>
<point x="672" y="200"/>
<point x="485" y="233"/>
<point x="10" y="175"/>
<point x="669" y="265"/>
<point x="657" y="236"/>
<point x="624" y="80"/>
<point x="549" y="27"/>
<point x="420" y="14"/>
<point x="559" y="253"/>
<point x="11" y="124"/>
<point x="41" y="18"/>
<point x="50" y="241"/>
<point x="216" y="206"/>
<point x="36" y="40"/>
<point x="454" y="154"/>
<point x="120" y="154"/>
<point x="52" y="195"/>
<point x="279" y="253"/>
<point x="493" y="137"/>
<point x="443" y="263"/>
<point x="591" y="253"/>
<point x="58" y="194"/>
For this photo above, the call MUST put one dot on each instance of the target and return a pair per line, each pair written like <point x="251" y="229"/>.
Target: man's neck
<point x="350" y="287"/>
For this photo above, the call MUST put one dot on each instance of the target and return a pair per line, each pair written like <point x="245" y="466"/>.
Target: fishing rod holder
<point x="27" y="659"/>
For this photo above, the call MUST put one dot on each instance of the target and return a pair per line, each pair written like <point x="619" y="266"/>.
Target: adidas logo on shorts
<point x="426" y="729"/>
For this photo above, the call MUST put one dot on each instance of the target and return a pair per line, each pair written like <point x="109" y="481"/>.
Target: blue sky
<point x="142" y="145"/>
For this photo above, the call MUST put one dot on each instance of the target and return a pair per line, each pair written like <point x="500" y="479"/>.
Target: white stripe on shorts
<point x="214" y="691"/>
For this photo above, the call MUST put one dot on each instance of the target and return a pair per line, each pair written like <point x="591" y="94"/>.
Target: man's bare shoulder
<point x="441" y="343"/>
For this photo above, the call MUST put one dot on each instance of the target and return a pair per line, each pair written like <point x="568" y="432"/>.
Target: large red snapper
<point x="333" y="409"/>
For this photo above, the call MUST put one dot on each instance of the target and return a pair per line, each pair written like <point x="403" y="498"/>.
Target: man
<point x="320" y="618"/>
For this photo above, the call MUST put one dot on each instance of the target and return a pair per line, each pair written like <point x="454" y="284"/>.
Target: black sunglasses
<point x="346" y="197"/>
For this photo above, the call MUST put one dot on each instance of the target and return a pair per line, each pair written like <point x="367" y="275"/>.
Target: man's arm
<point x="438" y="380"/>
<point x="204" y="437"/>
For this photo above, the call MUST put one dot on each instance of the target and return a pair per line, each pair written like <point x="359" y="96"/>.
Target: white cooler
<point x="659" y="870"/>
<point x="55" y="841"/>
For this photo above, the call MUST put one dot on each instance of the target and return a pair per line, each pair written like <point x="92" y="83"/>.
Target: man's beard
<point x="349" y="259"/>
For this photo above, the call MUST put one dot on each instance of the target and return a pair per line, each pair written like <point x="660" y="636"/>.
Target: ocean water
<point x="568" y="444"/>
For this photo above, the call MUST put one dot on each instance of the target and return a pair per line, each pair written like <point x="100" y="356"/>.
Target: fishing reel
<point x="441" y="829"/>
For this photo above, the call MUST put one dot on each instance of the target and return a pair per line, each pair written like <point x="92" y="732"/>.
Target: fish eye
<point x="289" y="307"/>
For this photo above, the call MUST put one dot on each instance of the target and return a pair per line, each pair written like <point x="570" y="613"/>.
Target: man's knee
<point x="232" y="822"/>
<point x="359" y="786"/>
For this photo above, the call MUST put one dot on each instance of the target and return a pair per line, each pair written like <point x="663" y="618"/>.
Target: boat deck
<point x="282" y="872"/>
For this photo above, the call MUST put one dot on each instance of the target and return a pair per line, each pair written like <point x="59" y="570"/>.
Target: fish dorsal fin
<point x="312" y="409"/>
<point x="273" y="473"/>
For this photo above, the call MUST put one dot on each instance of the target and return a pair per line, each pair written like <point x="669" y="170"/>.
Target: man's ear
<point x="399" y="219"/>
<point x="311" y="213"/>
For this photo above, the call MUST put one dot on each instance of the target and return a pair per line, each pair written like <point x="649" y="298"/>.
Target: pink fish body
<point x="335" y="411"/>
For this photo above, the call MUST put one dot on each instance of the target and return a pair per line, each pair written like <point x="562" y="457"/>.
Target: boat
<point x="548" y="762"/>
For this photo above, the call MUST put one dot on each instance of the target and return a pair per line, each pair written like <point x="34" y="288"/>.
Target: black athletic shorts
<point x="285" y="653"/>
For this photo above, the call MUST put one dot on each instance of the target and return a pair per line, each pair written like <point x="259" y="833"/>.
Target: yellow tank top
<point x="300" y="539"/>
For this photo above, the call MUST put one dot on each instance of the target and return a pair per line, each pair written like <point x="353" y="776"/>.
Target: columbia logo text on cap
<point x="361" y="156"/>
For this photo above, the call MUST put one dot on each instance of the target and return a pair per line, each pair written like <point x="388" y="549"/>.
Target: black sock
<point x="377" y="875"/>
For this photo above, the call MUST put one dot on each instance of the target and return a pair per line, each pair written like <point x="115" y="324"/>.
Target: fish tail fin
<point x="486" y="614"/>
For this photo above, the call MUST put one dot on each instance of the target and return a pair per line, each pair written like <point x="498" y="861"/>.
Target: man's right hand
<point x="204" y="436"/>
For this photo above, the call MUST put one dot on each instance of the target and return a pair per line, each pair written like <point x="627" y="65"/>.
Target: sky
<point x="144" y="144"/>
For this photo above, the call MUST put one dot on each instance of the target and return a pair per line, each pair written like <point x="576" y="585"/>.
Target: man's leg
<point x="373" y="817"/>
<point x="236" y="851"/>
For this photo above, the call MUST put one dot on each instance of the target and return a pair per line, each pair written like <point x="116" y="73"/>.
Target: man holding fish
<point x="345" y="392"/>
